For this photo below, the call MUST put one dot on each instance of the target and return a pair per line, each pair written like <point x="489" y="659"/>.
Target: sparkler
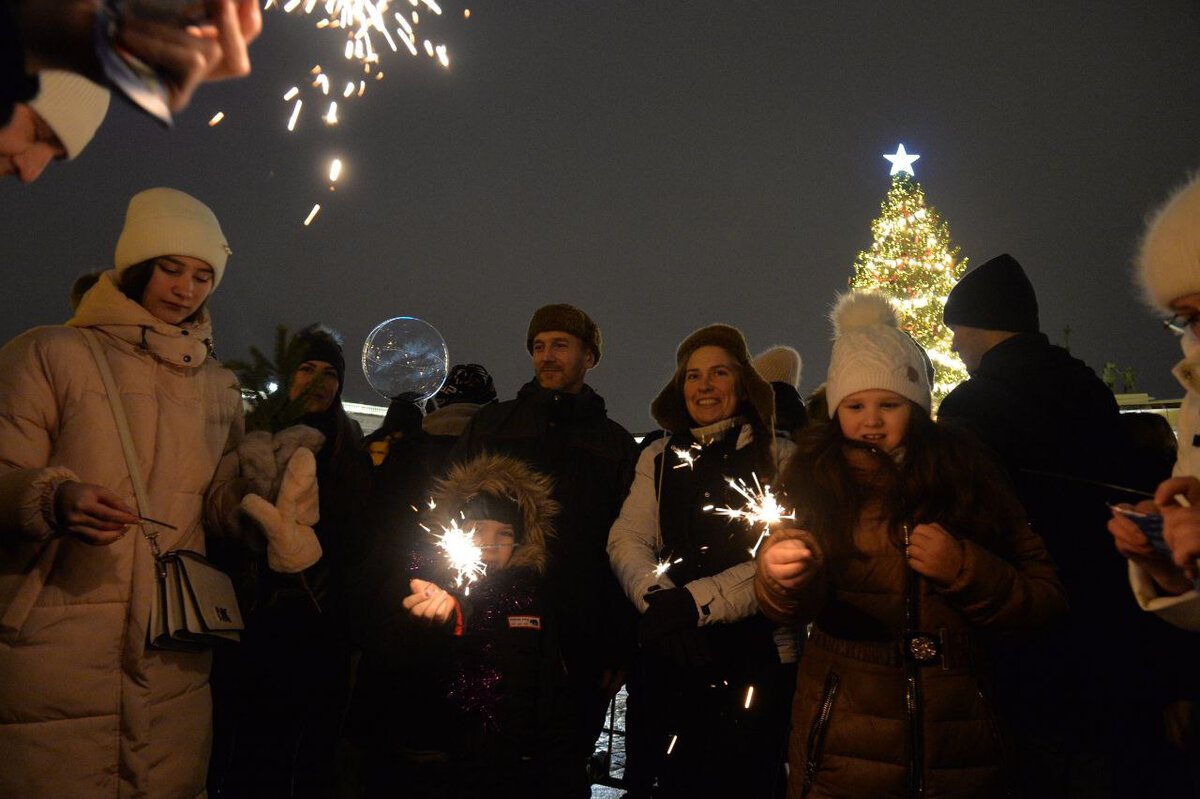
<point x="464" y="557"/>
<point x="687" y="457"/>
<point x="761" y="508"/>
<point x="369" y="28"/>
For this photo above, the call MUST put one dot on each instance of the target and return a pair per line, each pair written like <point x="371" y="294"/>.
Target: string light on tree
<point x="913" y="261"/>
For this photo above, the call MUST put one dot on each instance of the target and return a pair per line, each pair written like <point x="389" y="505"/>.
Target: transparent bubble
<point x="405" y="358"/>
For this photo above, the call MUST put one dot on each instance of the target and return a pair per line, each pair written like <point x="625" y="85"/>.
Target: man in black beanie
<point x="1069" y="699"/>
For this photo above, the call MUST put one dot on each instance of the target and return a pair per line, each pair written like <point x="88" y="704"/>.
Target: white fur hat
<point x="779" y="364"/>
<point x="1168" y="261"/>
<point x="72" y="106"/>
<point x="871" y="351"/>
<point x="166" y="221"/>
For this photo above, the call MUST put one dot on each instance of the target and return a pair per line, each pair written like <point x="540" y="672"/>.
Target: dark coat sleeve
<point x="800" y="604"/>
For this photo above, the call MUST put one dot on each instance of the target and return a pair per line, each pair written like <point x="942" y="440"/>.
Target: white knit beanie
<point x="779" y="364"/>
<point x="166" y="221"/>
<point x="72" y="106"/>
<point x="1168" y="261"/>
<point x="870" y="351"/>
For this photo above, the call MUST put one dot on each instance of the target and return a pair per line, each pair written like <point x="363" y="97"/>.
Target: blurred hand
<point x="1164" y="495"/>
<point x="1134" y="545"/>
<point x="428" y="602"/>
<point x="787" y="563"/>
<point x="935" y="553"/>
<point x="95" y="514"/>
<point x="189" y="56"/>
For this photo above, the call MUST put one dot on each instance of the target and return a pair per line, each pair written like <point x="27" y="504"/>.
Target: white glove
<point x="292" y="546"/>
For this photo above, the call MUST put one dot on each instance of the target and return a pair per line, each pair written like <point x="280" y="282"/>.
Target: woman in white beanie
<point x="1169" y="271"/>
<point x="907" y="552"/>
<point x="87" y="709"/>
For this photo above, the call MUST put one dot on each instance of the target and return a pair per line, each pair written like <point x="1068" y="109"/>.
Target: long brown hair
<point x="946" y="476"/>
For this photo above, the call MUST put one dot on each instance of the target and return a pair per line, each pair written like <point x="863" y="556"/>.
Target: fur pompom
<point x="860" y="309"/>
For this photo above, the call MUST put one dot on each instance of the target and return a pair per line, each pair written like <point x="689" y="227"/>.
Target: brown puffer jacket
<point x="853" y="733"/>
<point x="85" y="709"/>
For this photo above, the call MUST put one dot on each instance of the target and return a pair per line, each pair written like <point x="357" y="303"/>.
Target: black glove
<point x="688" y="650"/>
<point x="671" y="610"/>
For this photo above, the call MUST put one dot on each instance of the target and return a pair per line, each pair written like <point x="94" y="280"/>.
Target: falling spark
<point x="443" y="59"/>
<point x="322" y="81"/>
<point x="671" y="745"/>
<point x="216" y="120"/>
<point x="335" y="170"/>
<point x="464" y="557"/>
<point x="761" y="508"/>
<point x="749" y="697"/>
<point x="312" y="214"/>
<point x="664" y="565"/>
<point x="292" y="92"/>
<point x="687" y="457"/>
<point x="295" y="115"/>
<point x="331" y="117"/>
<point x="349" y="90"/>
<point x="466" y="13"/>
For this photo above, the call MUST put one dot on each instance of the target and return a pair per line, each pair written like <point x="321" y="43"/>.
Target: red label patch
<point x="525" y="622"/>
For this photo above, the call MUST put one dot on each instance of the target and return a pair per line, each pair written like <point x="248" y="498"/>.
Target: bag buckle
<point x="923" y="648"/>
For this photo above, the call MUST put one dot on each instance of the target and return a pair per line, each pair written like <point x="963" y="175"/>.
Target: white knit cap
<point x="870" y="351"/>
<point x="72" y="106"/>
<point x="166" y="221"/>
<point x="1169" y="259"/>
<point x="779" y="364"/>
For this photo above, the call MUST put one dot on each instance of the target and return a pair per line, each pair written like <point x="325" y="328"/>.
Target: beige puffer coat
<point x="86" y="710"/>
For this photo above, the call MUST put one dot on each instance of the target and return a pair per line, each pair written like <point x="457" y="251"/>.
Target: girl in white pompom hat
<point x="906" y="554"/>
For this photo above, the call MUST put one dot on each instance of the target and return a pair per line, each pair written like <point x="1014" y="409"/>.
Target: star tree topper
<point x="901" y="161"/>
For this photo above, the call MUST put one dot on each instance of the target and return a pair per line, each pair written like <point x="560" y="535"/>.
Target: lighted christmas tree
<point x="913" y="261"/>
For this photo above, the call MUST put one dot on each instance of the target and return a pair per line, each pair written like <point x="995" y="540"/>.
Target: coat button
<point x="187" y="359"/>
<point x="707" y="494"/>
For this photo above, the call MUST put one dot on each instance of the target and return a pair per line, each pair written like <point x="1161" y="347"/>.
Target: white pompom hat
<point x="871" y="351"/>
<point x="164" y="221"/>
<point x="72" y="106"/>
<point x="1168" y="261"/>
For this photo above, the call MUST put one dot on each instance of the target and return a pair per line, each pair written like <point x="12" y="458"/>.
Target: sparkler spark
<point x="216" y="120"/>
<point x="335" y="170"/>
<point x="687" y="457"/>
<point x="312" y="214"/>
<point x="463" y="556"/>
<point x="749" y="697"/>
<point x="762" y="509"/>
<point x="664" y="565"/>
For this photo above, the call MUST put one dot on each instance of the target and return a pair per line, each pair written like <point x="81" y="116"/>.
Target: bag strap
<point x="118" y="412"/>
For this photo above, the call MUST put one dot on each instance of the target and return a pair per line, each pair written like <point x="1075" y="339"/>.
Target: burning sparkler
<point x="761" y="508"/>
<point x="687" y="457"/>
<point x="463" y="555"/>
<point x="664" y="565"/>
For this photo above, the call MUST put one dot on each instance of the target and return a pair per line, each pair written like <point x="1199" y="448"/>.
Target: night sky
<point x="664" y="165"/>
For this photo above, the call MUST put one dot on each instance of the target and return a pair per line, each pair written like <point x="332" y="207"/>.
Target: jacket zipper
<point x="912" y="675"/>
<point x="816" y="736"/>
<point x="998" y="740"/>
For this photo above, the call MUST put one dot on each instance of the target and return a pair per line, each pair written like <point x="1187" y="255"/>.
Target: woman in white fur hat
<point x="1169" y="270"/>
<point x="911" y="552"/>
<point x="86" y="707"/>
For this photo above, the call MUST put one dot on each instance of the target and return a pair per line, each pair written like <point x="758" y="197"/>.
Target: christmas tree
<point x="913" y="262"/>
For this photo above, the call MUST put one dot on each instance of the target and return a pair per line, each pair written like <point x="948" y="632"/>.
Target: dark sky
<point x="663" y="165"/>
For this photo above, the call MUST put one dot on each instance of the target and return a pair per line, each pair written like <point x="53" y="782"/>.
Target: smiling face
<point x="876" y="417"/>
<point x="28" y="145"/>
<point x="496" y="540"/>
<point x="561" y="361"/>
<point x="712" y="386"/>
<point x="177" y="287"/>
<point x="320" y="380"/>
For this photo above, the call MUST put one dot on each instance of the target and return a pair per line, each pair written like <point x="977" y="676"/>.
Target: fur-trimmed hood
<point x="515" y="479"/>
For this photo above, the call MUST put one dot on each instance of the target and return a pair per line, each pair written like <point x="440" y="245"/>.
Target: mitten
<point x="292" y="546"/>
<point x="288" y="440"/>
<point x="671" y="610"/>
<point x="256" y="462"/>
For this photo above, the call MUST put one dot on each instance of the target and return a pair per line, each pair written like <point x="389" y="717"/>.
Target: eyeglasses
<point x="1180" y="323"/>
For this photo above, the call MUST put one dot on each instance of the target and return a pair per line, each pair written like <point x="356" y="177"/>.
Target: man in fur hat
<point x="559" y="425"/>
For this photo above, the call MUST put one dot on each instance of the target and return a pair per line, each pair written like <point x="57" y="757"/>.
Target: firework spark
<point x="687" y="457"/>
<point x="761" y="510"/>
<point x="463" y="555"/>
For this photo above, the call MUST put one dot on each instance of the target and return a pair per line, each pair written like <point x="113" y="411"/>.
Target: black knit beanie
<point x="319" y="343"/>
<point x="994" y="296"/>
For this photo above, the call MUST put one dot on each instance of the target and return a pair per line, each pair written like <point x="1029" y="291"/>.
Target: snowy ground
<point x="614" y="754"/>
